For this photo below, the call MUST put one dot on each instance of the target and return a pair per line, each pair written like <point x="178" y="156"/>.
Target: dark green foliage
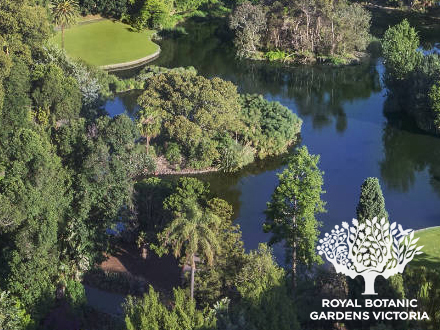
<point x="33" y="198"/>
<point x="399" y="48"/>
<point x="75" y="294"/>
<point x="371" y="201"/>
<point x="411" y="77"/>
<point x="269" y="126"/>
<point x="12" y="314"/>
<point x="23" y="29"/>
<point x="291" y="213"/>
<point x="173" y="154"/>
<point x="218" y="281"/>
<point x="107" y="8"/>
<point x="266" y="302"/>
<point x="198" y="109"/>
<point x="423" y="284"/>
<point x="149" y="196"/>
<point x="56" y="92"/>
<point x="149" y="313"/>
<point x="103" y="161"/>
<point x="211" y="124"/>
<point x="16" y="102"/>
<point x="434" y="96"/>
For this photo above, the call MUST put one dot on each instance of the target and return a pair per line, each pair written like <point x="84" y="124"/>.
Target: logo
<point x="369" y="249"/>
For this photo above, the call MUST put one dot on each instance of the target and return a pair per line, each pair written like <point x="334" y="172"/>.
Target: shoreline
<point x="427" y="228"/>
<point x="184" y="171"/>
<point x="131" y="64"/>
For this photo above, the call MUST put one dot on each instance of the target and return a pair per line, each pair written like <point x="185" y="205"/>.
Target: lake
<point x="344" y="122"/>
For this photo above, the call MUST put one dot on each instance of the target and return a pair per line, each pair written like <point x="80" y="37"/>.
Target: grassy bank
<point x="107" y="42"/>
<point x="429" y="238"/>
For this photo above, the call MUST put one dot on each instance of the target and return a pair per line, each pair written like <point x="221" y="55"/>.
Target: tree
<point x="214" y="283"/>
<point x="149" y="313"/>
<point x="248" y="21"/>
<point x="99" y="157"/>
<point x="64" y="13"/>
<point x="33" y="202"/>
<point x="434" y="96"/>
<point x="266" y="302"/>
<point x="12" y="314"/>
<point x="195" y="111"/>
<point x="290" y="215"/>
<point x="149" y="123"/>
<point x="269" y="127"/>
<point x="371" y="201"/>
<point x="56" y="92"/>
<point x="192" y="233"/>
<point x="399" y="47"/>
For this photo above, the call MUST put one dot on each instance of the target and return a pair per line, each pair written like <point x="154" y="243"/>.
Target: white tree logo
<point x="369" y="249"/>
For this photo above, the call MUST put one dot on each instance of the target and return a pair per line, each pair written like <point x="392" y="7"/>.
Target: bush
<point x="235" y="156"/>
<point x="276" y="55"/>
<point x="75" y="294"/>
<point x="173" y="154"/>
<point x="12" y="314"/>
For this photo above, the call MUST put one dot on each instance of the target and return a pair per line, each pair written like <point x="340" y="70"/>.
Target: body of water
<point x="344" y="122"/>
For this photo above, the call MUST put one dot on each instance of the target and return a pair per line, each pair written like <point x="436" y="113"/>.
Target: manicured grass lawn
<point x="430" y="238"/>
<point x="106" y="42"/>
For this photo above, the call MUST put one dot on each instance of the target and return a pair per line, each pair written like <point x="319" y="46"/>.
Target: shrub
<point x="173" y="154"/>
<point x="235" y="156"/>
<point x="276" y="55"/>
<point x="75" y="293"/>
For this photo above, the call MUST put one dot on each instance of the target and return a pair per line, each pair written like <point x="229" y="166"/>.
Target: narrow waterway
<point x="344" y="122"/>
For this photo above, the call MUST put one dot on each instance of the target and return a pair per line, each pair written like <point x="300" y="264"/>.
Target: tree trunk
<point x="193" y="269"/>
<point x="294" y="267"/>
<point x="62" y="36"/>
<point x="148" y="144"/>
<point x="332" y="51"/>
<point x="369" y="280"/>
<point x="144" y="252"/>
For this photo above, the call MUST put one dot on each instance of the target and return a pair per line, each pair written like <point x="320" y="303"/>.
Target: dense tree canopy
<point x="412" y="77"/>
<point x="34" y="200"/>
<point x="211" y="124"/>
<point x="305" y="28"/>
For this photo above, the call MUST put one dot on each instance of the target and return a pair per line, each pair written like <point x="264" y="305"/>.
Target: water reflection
<point x="342" y="109"/>
<point x="407" y="151"/>
<point x="124" y="103"/>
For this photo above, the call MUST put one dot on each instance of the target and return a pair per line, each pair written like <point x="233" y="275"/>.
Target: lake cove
<point x="343" y="120"/>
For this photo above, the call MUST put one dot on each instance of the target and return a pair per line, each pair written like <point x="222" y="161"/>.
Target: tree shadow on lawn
<point x="162" y="273"/>
<point x="427" y="260"/>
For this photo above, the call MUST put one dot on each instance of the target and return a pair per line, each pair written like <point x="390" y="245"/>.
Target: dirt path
<point x="163" y="167"/>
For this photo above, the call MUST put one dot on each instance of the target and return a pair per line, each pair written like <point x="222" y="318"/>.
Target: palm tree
<point x="191" y="233"/>
<point x="65" y="13"/>
<point x="149" y="123"/>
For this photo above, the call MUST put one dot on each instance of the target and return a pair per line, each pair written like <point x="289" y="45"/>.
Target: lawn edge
<point x="132" y="64"/>
<point x="427" y="228"/>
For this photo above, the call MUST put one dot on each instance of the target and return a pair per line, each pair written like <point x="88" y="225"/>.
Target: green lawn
<point x="106" y="42"/>
<point x="430" y="238"/>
